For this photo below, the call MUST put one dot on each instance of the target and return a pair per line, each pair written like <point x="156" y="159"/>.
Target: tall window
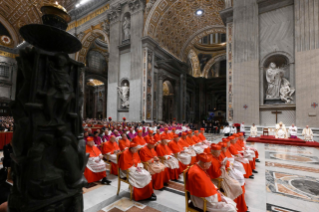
<point x="4" y="71"/>
<point x="214" y="38"/>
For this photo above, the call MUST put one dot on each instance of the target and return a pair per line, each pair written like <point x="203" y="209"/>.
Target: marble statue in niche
<point x="124" y="93"/>
<point x="126" y="28"/>
<point x="278" y="87"/>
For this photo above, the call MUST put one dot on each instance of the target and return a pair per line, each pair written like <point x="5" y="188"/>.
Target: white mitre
<point x="283" y="125"/>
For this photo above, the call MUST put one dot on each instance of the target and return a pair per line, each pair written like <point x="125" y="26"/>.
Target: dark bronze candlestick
<point x="48" y="146"/>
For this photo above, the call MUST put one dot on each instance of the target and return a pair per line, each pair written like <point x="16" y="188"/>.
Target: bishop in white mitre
<point x="253" y="131"/>
<point x="281" y="131"/>
<point x="308" y="134"/>
<point x="293" y="131"/>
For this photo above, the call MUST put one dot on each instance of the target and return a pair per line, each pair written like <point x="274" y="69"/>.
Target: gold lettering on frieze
<point x="88" y="17"/>
<point x="7" y="54"/>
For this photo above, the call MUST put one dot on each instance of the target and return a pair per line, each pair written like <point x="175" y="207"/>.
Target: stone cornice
<point x="227" y="15"/>
<point x="88" y="7"/>
<point x="269" y="5"/>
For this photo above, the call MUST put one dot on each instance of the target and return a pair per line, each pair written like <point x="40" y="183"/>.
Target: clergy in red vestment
<point x="188" y="147"/>
<point x="249" y="155"/>
<point x="200" y="186"/>
<point x="95" y="169"/>
<point x="172" y="133"/>
<point x="149" y="135"/>
<point x="110" y="149"/>
<point x="160" y="176"/>
<point x="139" y="178"/>
<point x="157" y="136"/>
<point x="124" y="143"/>
<point x="189" y="138"/>
<point x="242" y="142"/>
<point x="232" y="187"/>
<point x="169" y="161"/>
<point x="238" y="157"/>
<point x="198" y="147"/>
<point x="139" y="139"/>
<point x="179" y="152"/>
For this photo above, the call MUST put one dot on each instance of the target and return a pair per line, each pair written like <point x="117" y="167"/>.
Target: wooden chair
<point x="189" y="205"/>
<point x="124" y="180"/>
<point x="265" y="131"/>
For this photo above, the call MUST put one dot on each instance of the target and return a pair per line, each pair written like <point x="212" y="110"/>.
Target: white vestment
<point x="292" y="131"/>
<point x="237" y="165"/>
<point x="308" y="134"/>
<point x="231" y="186"/>
<point x="184" y="158"/>
<point x="171" y="162"/>
<point x="94" y="166"/>
<point x="112" y="157"/>
<point x="226" y="205"/>
<point x="233" y="130"/>
<point x="226" y="130"/>
<point x="253" y="131"/>
<point x="242" y="128"/>
<point x="281" y="133"/>
<point x="137" y="179"/>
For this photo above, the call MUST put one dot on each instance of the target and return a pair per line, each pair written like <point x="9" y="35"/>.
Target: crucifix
<point x="276" y="112"/>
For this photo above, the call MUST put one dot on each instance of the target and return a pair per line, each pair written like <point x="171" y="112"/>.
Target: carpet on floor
<point x="289" y="141"/>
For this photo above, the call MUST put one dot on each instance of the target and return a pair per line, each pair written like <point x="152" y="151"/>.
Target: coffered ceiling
<point x="21" y="12"/>
<point x="173" y="22"/>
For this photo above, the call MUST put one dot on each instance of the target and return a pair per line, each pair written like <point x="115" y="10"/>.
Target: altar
<point x="283" y="141"/>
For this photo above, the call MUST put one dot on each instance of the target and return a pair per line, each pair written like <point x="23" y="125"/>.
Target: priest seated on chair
<point x="200" y="186"/>
<point x="281" y="131"/>
<point x="307" y="133"/>
<point x="139" y="178"/>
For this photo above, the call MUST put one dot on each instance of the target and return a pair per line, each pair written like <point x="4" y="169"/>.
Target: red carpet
<point x="289" y="141"/>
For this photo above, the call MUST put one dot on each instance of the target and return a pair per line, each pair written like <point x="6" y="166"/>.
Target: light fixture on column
<point x="199" y="12"/>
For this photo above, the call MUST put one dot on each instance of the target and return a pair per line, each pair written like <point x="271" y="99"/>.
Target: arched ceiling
<point x="21" y="12"/>
<point x="173" y="22"/>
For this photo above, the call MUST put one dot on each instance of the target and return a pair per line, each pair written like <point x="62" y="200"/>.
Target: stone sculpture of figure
<point x="286" y="92"/>
<point x="126" y="28"/>
<point x="124" y="93"/>
<point x="273" y="77"/>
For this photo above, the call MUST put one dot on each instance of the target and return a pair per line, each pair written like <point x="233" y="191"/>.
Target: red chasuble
<point x="89" y="175"/>
<point x="175" y="147"/>
<point x="196" y="139"/>
<point x="126" y="161"/>
<point x="158" y="179"/>
<point x="163" y="150"/>
<point x="157" y="137"/>
<point x="214" y="170"/>
<point x="232" y="149"/>
<point x="201" y="137"/>
<point x="124" y="144"/>
<point x="199" y="183"/>
<point x="110" y="147"/>
<point x="139" y="140"/>
<point x="190" y="141"/>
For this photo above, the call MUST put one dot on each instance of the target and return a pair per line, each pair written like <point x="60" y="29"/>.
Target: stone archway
<point x="95" y="102"/>
<point x="87" y="41"/>
<point x="211" y="62"/>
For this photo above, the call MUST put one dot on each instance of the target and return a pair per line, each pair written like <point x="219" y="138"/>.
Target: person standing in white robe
<point x="293" y="131"/>
<point x="307" y="133"/>
<point x="226" y="130"/>
<point x="253" y="131"/>
<point x="233" y="130"/>
<point x="242" y="128"/>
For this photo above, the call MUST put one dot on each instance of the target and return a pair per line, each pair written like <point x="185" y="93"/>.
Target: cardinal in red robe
<point x="110" y="149"/>
<point x="170" y="161"/>
<point x="232" y="188"/>
<point x="179" y="152"/>
<point x="139" y="139"/>
<point x="160" y="175"/>
<point x="139" y="178"/>
<point x="200" y="186"/>
<point x="124" y="143"/>
<point x="95" y="169"/>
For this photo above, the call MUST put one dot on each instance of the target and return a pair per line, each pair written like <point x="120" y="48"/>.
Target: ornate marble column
<point x="160" y="97"/>
<point x="114" y="64"/>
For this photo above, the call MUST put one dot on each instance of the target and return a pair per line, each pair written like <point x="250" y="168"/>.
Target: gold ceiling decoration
<point x="172" y="22"/>
<point x="22" y="12"/>
<point x="94" y="82"/>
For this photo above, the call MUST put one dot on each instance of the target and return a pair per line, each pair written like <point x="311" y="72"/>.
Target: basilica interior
<point x="196" y="62"/>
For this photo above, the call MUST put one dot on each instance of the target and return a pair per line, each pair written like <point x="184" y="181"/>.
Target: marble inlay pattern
<point x="294" y="167"/>
<point x="292" y="185"/>
<point x="292" y="157"/>
<point x="124" y="204"/>
<point x="290" y="149"/>
<point x="275" y="208"/>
